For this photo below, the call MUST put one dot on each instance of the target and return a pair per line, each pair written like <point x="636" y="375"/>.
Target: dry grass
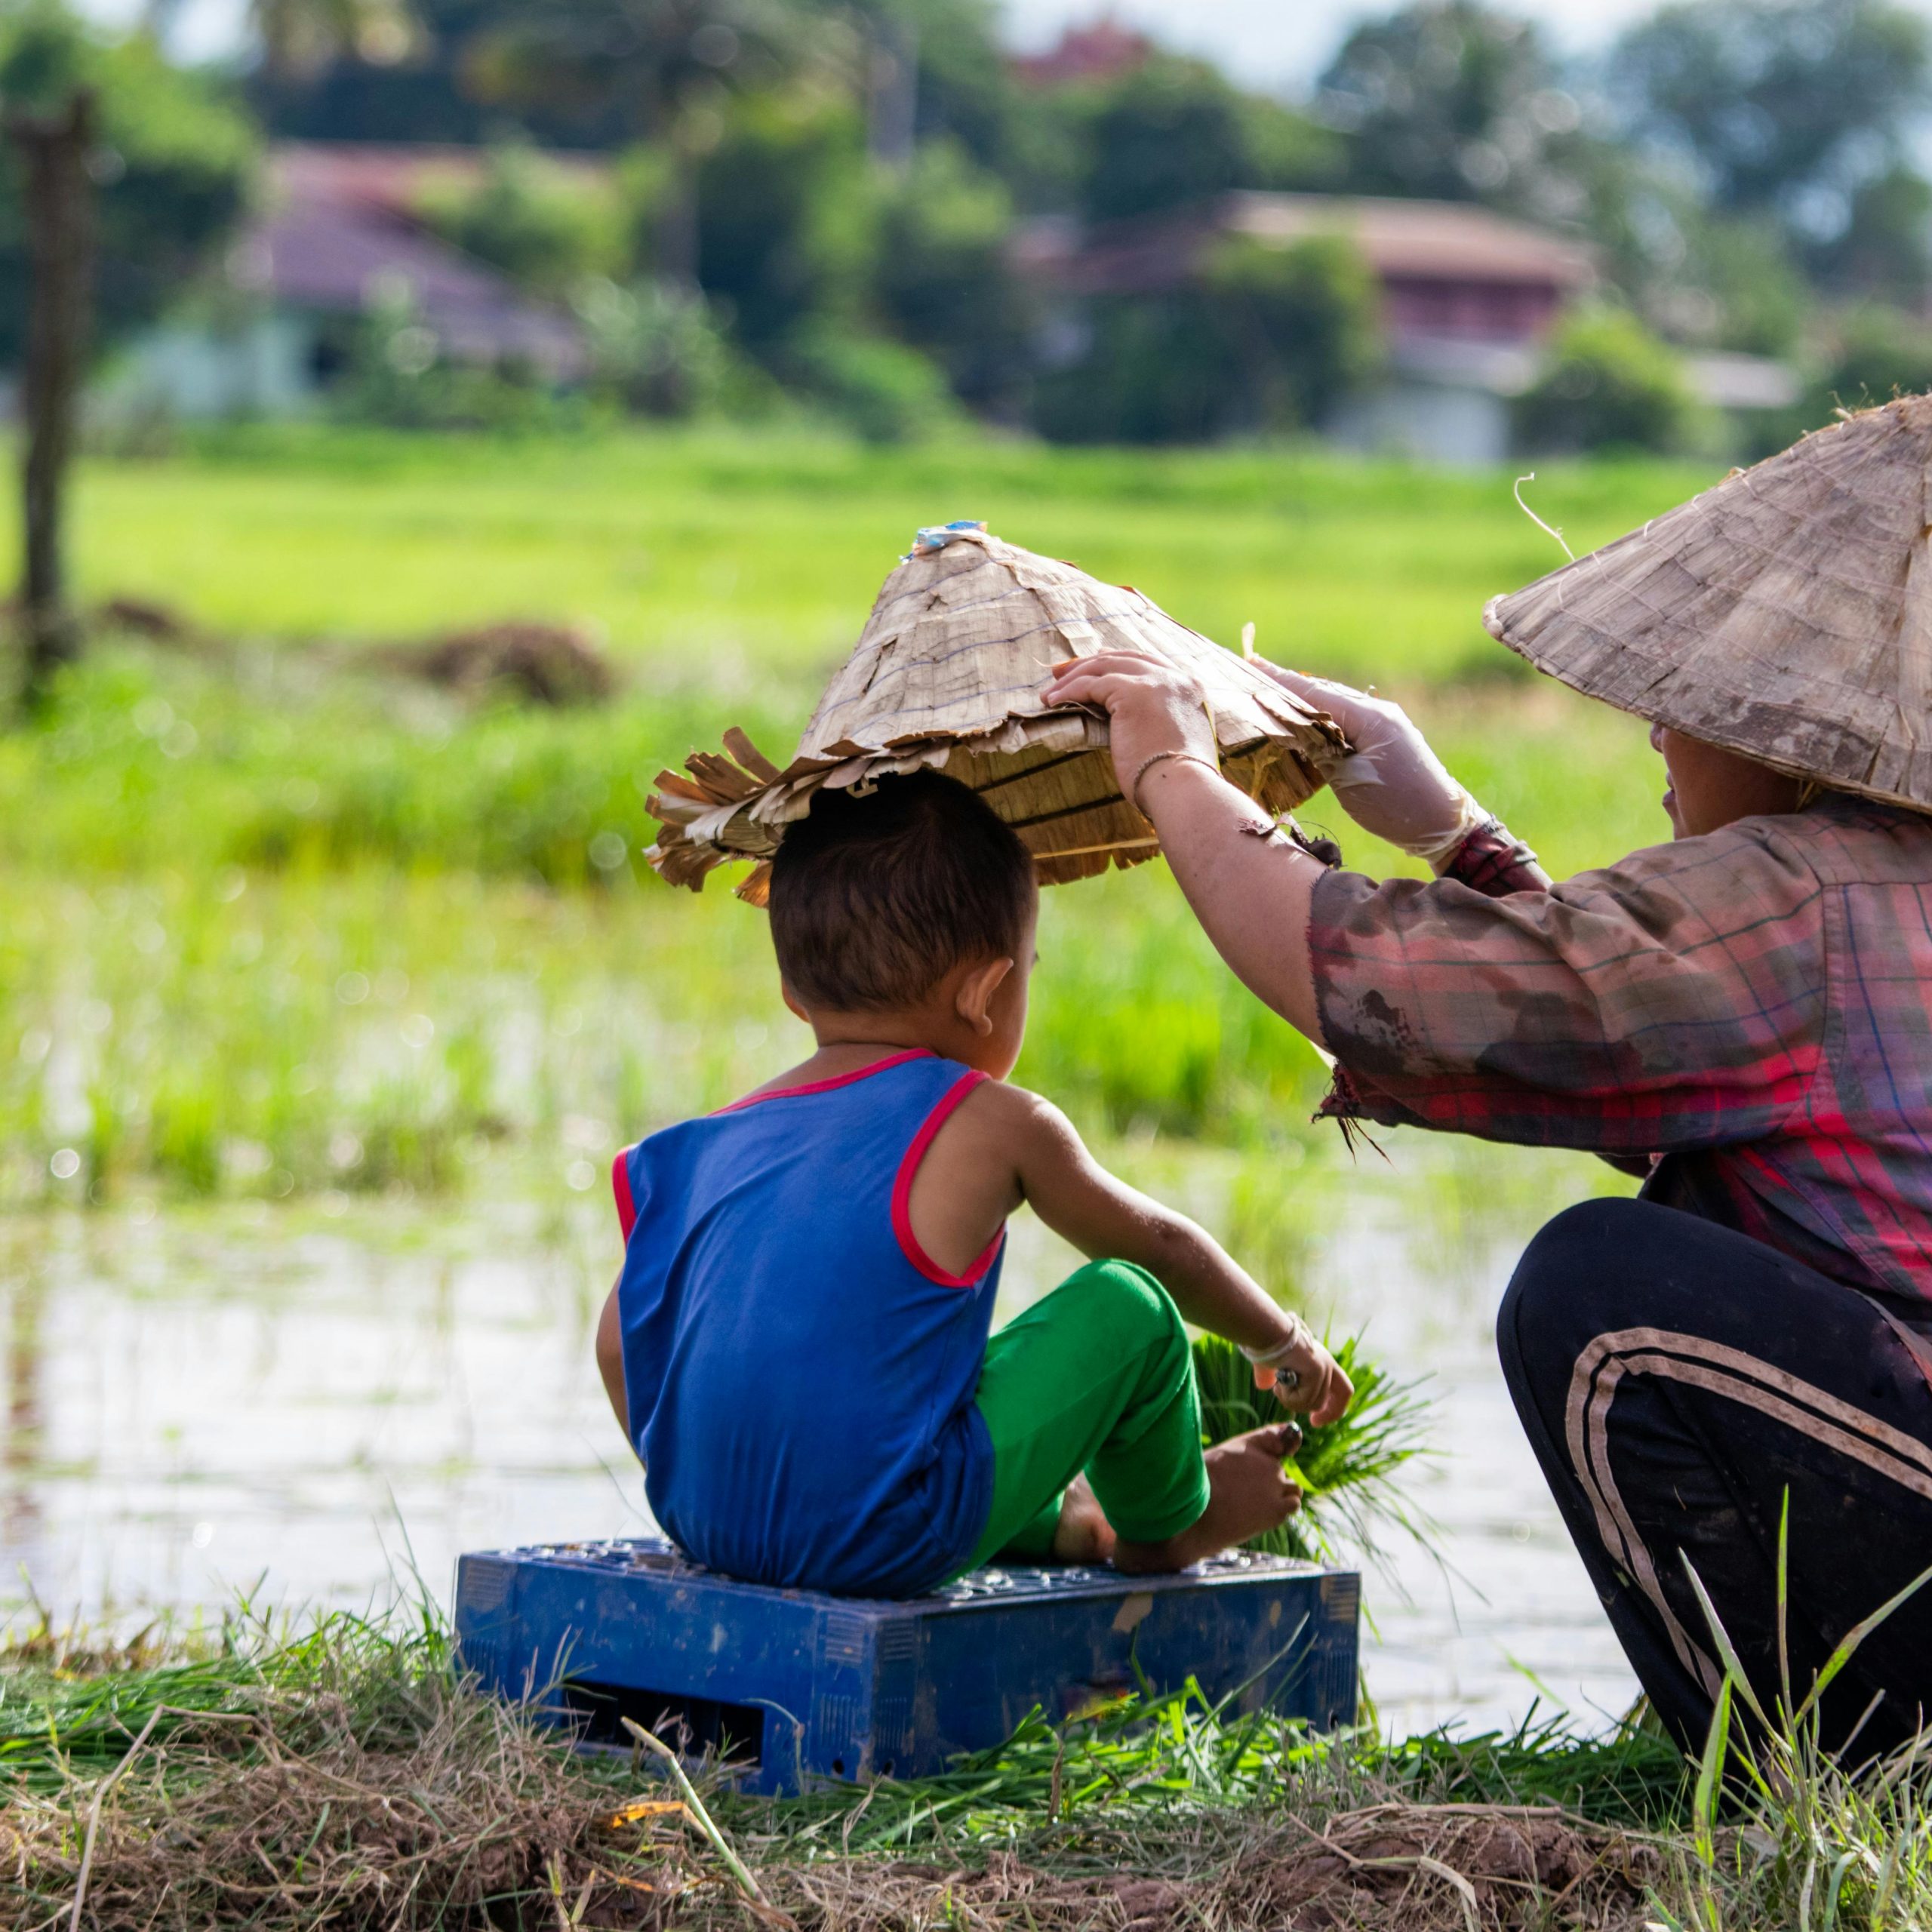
<point x="345" y="1777"/>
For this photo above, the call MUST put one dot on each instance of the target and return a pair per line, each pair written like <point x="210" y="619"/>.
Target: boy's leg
<point x="1097" y="1376"/>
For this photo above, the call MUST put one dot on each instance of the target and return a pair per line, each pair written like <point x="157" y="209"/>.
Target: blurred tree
<point x="1608" y="384"/>
<point x="944" y="282"/>
<point x="298" y="38"/>
<point x="656" y="70"/>
<point x="1885" y="249"/>
<point x="1458" y="101"/>
<point x="56" y="152"/>
<point x="656" y="349"/>
<point x="1878" y="352"/>
<point x="1263" y="340"/>
<point x="1716" y="281"/>
<point x="1302" y="321"/>
<point x="787" y="216"/>
<point x="549" y="231"/>
<point x="1785" y="106"/>
<point x="173" y="163"/>
<point x="1176" y="131"/>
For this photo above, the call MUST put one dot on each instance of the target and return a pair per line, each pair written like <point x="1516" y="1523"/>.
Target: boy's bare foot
<point x="1247" y="1492"/>
<point x="1084" y="1535"/>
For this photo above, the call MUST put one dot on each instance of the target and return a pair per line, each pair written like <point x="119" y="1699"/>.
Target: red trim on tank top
<point x="837" y="1079"/>
<point x="902" y="1193"/>
<point x="620" y="1185"/>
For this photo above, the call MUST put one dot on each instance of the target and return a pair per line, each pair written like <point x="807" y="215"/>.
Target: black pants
<point x="1677" y="1380"/>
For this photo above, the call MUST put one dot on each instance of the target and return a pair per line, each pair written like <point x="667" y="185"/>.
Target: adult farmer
<point x="1743" y="1015"/>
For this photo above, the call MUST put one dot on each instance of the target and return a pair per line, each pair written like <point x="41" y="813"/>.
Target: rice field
<point x="283" y="922"/>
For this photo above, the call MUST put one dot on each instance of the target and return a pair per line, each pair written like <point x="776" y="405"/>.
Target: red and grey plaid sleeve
<point x="1492" y="861"/>
<point x="1676" y="1000"/>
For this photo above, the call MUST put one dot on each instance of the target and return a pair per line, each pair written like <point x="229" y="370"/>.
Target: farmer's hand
<point x="1319" y="1387"/>
<point x="1150" y="707"/>
<point x="1390" y="782"/>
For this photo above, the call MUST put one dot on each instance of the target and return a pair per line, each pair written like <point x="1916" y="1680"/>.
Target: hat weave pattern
<point x="947" y="674"/>
<point x="1785" y="614"/>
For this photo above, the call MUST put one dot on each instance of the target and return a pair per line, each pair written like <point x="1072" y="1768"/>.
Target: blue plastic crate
<point x="801" y="1686"/>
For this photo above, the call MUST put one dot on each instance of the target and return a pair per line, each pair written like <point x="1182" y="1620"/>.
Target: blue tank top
<point x="799" y="1374"/>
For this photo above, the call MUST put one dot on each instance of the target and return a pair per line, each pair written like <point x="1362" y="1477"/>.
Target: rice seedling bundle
<point x="1346" y="1468"/>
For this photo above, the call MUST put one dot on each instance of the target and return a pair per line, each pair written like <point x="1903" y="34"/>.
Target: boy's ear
<point x="791" y="1000"/>
<point x="974" y="1001"/>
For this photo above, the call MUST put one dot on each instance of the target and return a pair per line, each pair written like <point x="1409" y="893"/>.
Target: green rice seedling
<point x="1346" y="1467"/>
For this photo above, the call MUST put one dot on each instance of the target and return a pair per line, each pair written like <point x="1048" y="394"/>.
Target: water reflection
<point x="305" y="1408"/>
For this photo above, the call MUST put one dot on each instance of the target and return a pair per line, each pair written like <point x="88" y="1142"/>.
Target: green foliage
<point x="1607" y="384"/>
<point x="1885" y="251"/>
<point x="883" y="391"/>
<point x="181" y="161"/>
<point x="1175" y="132"/>
<point x="786" y="216"/>
<point x="1303" y="319"/>
<point x="1458" y="100"/>
<point x="1773" y="101"/>
<point x="945" y="282"/>
<point x="548" y="230"/>
<point x="1759" y="303"/>
<point x="1264" y="338"/>
<point x="630" y="69"/>
<point x="1880" y="352"/>
<point x="399" y="375"/>
<point x="1346" y="1467"/>
<point x="657" y="349"/>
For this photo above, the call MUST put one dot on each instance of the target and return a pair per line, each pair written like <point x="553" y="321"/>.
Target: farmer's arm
<point x="1249" y="888"/>
<point x="1105" y="1219"/>
<point x="1674" y="1001"/>
<point x="611" y="1359"/>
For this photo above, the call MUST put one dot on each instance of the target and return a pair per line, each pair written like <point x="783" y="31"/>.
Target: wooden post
<point x="54" y="148"/>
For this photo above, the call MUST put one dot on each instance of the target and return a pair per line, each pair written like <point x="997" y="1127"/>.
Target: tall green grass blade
<point x="1733" y="1669"/>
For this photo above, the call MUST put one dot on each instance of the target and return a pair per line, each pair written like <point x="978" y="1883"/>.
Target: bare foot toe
<point x="1084" y="1535"/>
<point x="1248" y="1492"/>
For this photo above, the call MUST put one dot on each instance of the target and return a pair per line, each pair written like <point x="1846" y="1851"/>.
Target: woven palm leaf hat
<point x="1786" y="614"/>
<point x="946" y="675"/>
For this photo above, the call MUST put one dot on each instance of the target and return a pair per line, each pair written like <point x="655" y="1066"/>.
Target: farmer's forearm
<point x="1250" y="893"/>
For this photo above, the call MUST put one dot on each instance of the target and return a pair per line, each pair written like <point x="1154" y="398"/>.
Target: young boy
<point x="797" y="1346"/>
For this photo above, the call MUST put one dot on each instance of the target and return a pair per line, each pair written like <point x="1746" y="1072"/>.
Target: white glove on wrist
<point x="1389" y="782"/>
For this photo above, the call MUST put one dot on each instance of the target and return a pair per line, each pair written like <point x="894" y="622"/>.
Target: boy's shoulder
<point x="999" y="1106"/>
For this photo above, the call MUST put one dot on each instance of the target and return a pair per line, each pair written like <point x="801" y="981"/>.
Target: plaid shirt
<point x="1755" y="1007"/>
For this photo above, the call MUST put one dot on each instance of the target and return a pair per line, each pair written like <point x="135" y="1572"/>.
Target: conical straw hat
<point x="1786" y="614"/>
<point x="947" y="674"/>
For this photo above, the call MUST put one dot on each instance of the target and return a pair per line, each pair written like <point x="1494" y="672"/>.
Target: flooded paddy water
<point x="311" y="1404"/>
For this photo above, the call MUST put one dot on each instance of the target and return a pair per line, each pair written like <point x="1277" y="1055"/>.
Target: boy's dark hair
<point x="875" y="899"/>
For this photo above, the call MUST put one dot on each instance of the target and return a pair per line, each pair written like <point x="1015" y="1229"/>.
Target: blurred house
<point x="1103" y="51"/>
<point x="340" y="234"/>
<point x="1468" y="297"/>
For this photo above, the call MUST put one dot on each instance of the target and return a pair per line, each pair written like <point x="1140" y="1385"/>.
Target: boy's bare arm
<point x="610" y="1359"/>
<point x="1105" y="1218"/>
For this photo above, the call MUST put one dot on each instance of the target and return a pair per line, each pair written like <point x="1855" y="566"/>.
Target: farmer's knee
<point x="1587" y="1270"/>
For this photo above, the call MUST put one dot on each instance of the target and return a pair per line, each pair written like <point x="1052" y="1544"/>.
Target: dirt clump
<point x="542" y="663"/>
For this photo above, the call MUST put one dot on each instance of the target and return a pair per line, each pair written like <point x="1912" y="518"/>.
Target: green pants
<point x="1097" y="1376"/>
